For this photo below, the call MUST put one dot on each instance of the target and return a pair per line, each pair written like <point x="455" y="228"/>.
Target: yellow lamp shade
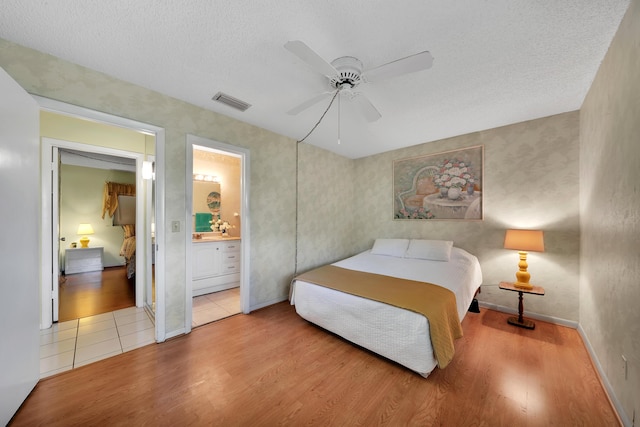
<point x="83" y="230"/>
<point x="524" y="240"/>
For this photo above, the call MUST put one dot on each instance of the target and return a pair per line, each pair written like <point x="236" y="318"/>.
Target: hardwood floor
<point x="273" y="368"/>
<point x="88" y="294"/>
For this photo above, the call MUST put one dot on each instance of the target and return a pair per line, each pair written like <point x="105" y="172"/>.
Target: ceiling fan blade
<point x="418" y="62"/>
<point x="371" y="114"/>
<point x="309" y="103"/>
<point x="305" y="53"/>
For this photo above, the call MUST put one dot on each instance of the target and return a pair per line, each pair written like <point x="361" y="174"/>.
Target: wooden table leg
<point x="520" y="320"/>
<point x="520" y="307"/>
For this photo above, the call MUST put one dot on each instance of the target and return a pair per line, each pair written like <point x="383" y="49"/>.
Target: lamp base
<point x="523" y="285"/>
<point x="84" y="242"/>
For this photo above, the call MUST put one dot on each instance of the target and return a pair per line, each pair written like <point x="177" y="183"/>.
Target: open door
<point x="20" y="255"/>
<point x="55" y="217"/>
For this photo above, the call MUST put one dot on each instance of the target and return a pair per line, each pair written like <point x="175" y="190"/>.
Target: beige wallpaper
<point x="610" y="213"/>
<point x="530" y="181"/>
<point x="328" y="213"/>
<point x="272" y="165"/>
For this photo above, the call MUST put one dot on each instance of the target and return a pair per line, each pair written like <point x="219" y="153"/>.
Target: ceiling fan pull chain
<point x="339" y="116"/>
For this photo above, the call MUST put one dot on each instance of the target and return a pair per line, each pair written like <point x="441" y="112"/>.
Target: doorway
<point x="149" y="231"/>
<point x="93" y="279"/>
<point x="107" y="238"/>
<point x="96" y="233"/>
<point x="217" y="229"/>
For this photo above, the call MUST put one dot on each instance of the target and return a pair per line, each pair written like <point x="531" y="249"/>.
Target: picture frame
<point x="206" y="205"/>
<point x="440" y="186"/>
<point x="206" y="197"/>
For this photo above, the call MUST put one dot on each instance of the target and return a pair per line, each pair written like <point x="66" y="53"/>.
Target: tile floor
<point x="75" y="343"/>
<point x="218" y="305"/>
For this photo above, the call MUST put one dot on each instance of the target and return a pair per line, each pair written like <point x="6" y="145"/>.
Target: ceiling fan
<point x="346" y="73"/>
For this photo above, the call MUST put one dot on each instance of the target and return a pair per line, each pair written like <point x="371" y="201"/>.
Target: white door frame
<point x="149" y="241"/>
<point x="53" y="158"/>
<point x="245" y="264"/>
<point x="50" y="186"/>
<point x="46" y="254"/>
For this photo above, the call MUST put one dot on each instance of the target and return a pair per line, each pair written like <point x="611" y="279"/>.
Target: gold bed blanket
<point x="436" y="303"/>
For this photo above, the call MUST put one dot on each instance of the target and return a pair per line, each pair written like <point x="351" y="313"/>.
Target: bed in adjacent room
<point x="128" y="249"/>
<point x="119" y="201"/>
<point x="384" y="299"/>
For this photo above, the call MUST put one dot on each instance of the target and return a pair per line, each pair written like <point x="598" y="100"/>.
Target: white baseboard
<point x="555" y="320"/>
<point x="594" y="359"/>
<point x="605" y="381"/>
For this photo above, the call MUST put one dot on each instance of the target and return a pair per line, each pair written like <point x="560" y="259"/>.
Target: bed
<point x="125" y="216"/>
<point x="128" y="249"/>
<point x="399" y="334"/>
<point x="119" y="201"/>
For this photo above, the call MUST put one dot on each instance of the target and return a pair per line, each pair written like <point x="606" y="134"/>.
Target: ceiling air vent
<point x="231" y="101"/>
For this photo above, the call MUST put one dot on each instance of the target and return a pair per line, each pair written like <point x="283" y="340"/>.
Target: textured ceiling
<point x="496" y="62"/>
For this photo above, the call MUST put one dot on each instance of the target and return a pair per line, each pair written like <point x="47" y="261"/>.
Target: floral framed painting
<point x="445" y="185"/>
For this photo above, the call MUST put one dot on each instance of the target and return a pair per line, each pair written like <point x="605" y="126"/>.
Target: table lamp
<point x="83" y="230"/>
<point x="523" y="241"/>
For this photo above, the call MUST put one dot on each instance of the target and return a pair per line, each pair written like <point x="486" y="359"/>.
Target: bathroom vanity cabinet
<point x="216" y="265"/>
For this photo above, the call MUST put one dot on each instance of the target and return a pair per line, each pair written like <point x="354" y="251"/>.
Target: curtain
<point x="110" y="195"/>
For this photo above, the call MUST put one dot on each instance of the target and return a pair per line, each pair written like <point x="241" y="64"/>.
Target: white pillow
<point x="390" y="247"/>
<point x="436" y="250"/>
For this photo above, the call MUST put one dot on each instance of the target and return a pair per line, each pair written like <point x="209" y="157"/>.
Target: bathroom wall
<point x="228" y="170"/>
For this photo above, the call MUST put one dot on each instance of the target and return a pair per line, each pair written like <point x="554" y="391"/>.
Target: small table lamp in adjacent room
<point x="83" y="230"/>
<point x="523" y="241"/>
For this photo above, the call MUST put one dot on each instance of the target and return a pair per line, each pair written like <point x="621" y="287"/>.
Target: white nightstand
<point x="82" y="260"/>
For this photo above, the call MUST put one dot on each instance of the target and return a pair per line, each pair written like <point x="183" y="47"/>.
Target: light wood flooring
<point x="273" y="368"/>
<point x="97" y="292"/>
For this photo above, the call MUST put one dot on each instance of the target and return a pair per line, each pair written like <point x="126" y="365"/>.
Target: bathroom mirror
<point x="206" y="204"/>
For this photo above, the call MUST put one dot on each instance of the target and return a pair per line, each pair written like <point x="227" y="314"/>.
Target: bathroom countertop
<point x="215" y="239"/>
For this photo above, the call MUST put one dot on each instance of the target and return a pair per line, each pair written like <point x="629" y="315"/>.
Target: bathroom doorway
<point x="216" y="231"/>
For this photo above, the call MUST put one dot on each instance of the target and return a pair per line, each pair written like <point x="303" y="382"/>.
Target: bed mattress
<point x="395" y="333"/>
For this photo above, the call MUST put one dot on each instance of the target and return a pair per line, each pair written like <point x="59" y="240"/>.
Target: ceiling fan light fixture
<point x="349" y="71"/>
<point x="346" y="72"/>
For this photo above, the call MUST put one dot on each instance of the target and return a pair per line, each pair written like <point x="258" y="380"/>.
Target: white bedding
<point x="398" y="334"/>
